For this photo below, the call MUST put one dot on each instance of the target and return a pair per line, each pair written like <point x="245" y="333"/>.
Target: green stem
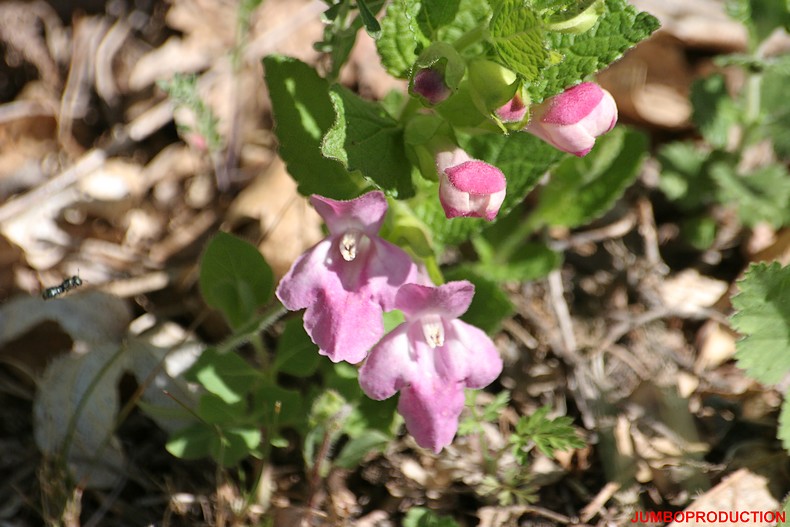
<point x="472" y="36"/>
<point x="255" y="326"/>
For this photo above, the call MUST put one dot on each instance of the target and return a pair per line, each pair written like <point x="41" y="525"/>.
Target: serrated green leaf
<point x="715" y="112"/>
<point x="490" y="305"/>
<point x="400" y="38"/>
<point x="582" y="189"/>
<point x="517" y="35"/>
<point x="226" y="375"/>
<point x="617" y="30"/>
<point x="548" y="435"/>
<point x="235" y="278"/>
<point x="763" y="195"/>
<point x="365" y="138"/>
<point x="763" y="318"/>
<point x="303" y="113"/>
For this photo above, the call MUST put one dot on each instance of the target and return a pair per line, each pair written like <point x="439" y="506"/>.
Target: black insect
<point x="66" y="285"/>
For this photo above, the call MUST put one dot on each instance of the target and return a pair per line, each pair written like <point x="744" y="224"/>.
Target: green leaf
<point x="192" y="442"/>
<point x="296" y="353"/>
<point x="549" y="435"/>
<point x="369" y="19"/>
<point x="226" y="375"/>
<point x="227" y="446"/>
<point x="279" y="406"/>
<point x="763" y="195"/>
<point x="617" y="30"/>
<point x="530" y="261"/>
<point x="352" y="454"/>
<point x="436" y="14"/>
<point x="582" y="189"/>
<point x="775" y="109"/>
<point x="422" y="517"/>
<point x="684" y="178"/>
<point x="400" y="37"/>
<point x="490" y="305"/>
<point x="517" y="35"/>
<point x="715" y="112"/>
<point x="364" y="137"/>
<point x="215" y="411"/>
<point x="763" y="318"/>
<point x="699" y="231"/>
<point x="303" y="113"/>
<point x="235" y="278"/>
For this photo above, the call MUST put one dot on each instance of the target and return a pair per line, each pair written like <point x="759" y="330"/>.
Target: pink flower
<point x="468" y="187"/>
<point x="348" y="279"/>
<point x="430" y="359"/>
<point x="573" y="119"/>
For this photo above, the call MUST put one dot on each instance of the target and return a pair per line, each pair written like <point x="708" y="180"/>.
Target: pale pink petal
<point x="343" y="324"/>
<point x="469" y="356"/>
<point x="431" y="410"/>
<point x="365" y="213"/>
<point x="472" y="189"/>
<point x="388" y="268"/>
<point x="450" y="300"/>
<point x="389" y="366"/>
<point x="572" y="120"/>
<point x="342" y="318"/>
<point x="299" y="287"/>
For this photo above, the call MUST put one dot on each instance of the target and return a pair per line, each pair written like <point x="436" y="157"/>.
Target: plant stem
<point x="472" y="36"/>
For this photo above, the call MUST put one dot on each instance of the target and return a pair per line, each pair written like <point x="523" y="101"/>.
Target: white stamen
<point x="348" y="245"/>
<point x="433" y="330"/>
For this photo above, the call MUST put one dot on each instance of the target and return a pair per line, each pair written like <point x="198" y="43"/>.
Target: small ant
<point x="66" y="285"/>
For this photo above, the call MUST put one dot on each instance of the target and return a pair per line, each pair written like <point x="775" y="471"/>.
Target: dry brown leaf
<point x="288" y="223"/>
<point x="741" y="491"/>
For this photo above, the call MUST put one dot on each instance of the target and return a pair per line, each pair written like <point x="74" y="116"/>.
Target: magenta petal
<point x="450" y="300"/>
<point x="365" y="213"/>
<point x="431" y="410"/>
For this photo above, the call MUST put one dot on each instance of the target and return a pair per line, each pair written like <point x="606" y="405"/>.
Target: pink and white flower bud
<point x="468" y="187"/>
<point x="573" y="119"/>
